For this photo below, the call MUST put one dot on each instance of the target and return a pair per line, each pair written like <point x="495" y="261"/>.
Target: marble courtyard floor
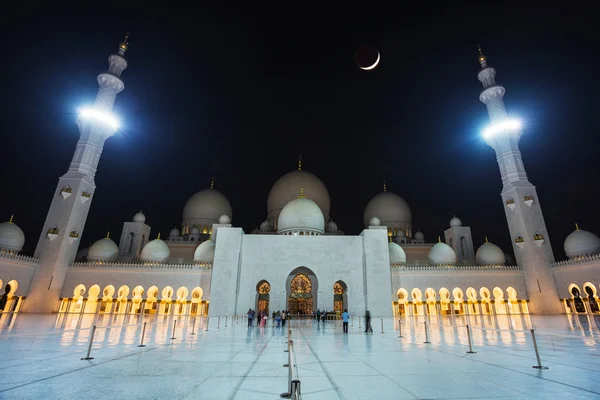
<point x="41" y="358"/>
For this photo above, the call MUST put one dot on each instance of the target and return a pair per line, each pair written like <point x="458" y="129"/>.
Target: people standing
<point x="345" y="317"/>
<point x="263" y="319"/>
<point x="250" y="317"/>
<point x="368" y="322"/>
<point x="318" y="316"/>
<point x="278" y="319"/>
<point x="283" y="315"/>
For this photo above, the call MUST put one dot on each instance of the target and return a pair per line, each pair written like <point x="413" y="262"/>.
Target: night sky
<point x="239" y="92"/>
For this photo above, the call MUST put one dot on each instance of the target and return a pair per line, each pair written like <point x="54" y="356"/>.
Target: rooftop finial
<point x="439" y="239"/>
<point x="212" y="183"/>
<point x="11" y="219"/>
<point x="482" y="59"/>
<point x="486" y="240"/>
<point x="300" y="163"/>
<point x="158" y="235"/>
<point x="124" y="45"/>
<point x="576" y="225"/>
<point x="108" y="235"/>
<point x="301" y="192"/>
<point x="384" y="186"/>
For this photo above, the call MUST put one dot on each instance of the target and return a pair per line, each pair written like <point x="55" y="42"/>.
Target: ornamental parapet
<point x="581" y="260"/>
<point x="416" y="244"/>
<point x="424" y="266"/>
<point x="11" y="256"/>
<point x="143" y="265"/>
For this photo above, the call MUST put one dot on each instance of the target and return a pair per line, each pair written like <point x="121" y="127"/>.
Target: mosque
<point x="298" y="258"/>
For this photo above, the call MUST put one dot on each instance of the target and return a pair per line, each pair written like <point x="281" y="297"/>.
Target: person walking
<point x="318" y="316"/>
<point x="283" y="315"/>
<point x="345" y="317"/>
<point x="263" y="319"/>
<point x="278" y="319"/>
<point x="250" y="317"/>
<point x="368" y="322"/>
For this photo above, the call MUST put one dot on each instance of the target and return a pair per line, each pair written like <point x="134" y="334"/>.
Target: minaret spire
<point x="519" y="197"/>
<point x="68" y="214"/>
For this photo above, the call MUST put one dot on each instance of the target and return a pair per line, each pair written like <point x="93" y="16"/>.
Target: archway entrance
<point x="300" y="299"/>
<point x="340" y="297"/>
<point x="263" y="290"/>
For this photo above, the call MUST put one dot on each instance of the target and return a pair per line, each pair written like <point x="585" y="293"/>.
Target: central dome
<point x="301" y="215"/>
<point x="287" y="188"/>
<point x="391" y="209"/>
<point x="205" y="208"/>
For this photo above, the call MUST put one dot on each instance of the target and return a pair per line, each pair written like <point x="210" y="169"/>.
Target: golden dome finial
<point x="124" y="45"/>
<point x="384" y="186"/>
<point x="486" y="240"/>
<point x="108" y="235"/>
<point x="300" y="163"/>
<point x="576" y="225"/>
<point x="481" y="58"/>
<point x="301" y="192"/>
<point x="439" y="239"/>
<point x="158" y="235"/>
<point x="11" y="218"/>
<point x="212" y="183"/>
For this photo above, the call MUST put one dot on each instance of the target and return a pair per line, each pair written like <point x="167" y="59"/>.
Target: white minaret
<point x="519" y="198"/>
<point x="58" y="242"/>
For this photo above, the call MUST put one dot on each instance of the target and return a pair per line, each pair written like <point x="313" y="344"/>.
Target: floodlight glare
<point x="510" y="125"/>
<point x="99" y="116"/>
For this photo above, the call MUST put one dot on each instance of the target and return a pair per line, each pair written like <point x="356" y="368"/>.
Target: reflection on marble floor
<point x="41" y="358"/>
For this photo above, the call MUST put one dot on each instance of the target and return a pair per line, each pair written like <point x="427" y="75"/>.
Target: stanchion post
<point x="358" y="322"/>
<point x="537" y="352"/>
<point x="352" y="321"/>
<point x="173" y="332"/>
<point x="142" y="340"/>
<point x="426" y="334"/>
<point x="399" y="328"/>
<point x="381" y="325"/>
<point x="207" y="320"/>
<point x="193" y="326"/>
<point x="87" y="357"/>
<point x="219" y="322"/>
<point x="469" y="337"/>
<point x="226" y="321"/>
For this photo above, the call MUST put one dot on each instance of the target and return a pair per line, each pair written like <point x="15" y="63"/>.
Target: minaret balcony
<point x="73" y="237"/>
<point x="539" y="239"/>
<point x="53" y="233"/>
<point x="66" y="192"/>
<point x="85" y="196"/>
<point x="519" y="241"/>
<point x="528" y="199"/>
<point x="510" y="203"/>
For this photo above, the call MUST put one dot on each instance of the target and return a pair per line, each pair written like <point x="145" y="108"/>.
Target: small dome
<point x="455" y="222"/>
<point x="205" y="252"/>
<point x="82" y="254"/>
<point x="400" y="233"/>
<point x="392" y="210"/>
<point x="441" y="253"/>
<point x="374" y="221"/>
<point x="301" y="214"/>
<point x="195" y="231"/>
<point x="155" y="251"/>
<point x="174" y="233"/>
<point x="331" y="227"/>
<point x="103" y="250"/>
<point x="139" y="217"/>
<point x="490" y="254"/>
<point x="581" y="243"/>
<point x="224" y="219"/>
<point x="12" y="237"/>
<point x="397" y="254"/>
<point x="419" y="236"/>
<point x="205" y="208"/>
<point x="266" y="226"/>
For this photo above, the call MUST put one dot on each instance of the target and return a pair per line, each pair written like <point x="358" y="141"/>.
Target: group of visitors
<point x="279" y="318"/>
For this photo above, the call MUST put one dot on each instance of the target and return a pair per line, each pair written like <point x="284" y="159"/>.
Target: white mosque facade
<point x="298" y="259"/>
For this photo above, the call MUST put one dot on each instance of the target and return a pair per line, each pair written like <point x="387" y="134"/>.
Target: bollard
<point x="381" y="325"/>
<point x="87" y="357"/>
<point x="206" y="330"/>
<point x="352" y="321"/>
<point x="226" y="321"/>
<point x="426" y="334"/>
<point x="218" y="322"/>
<point x="143" y="332"/>
<point x="469" y="337"/>
<point x="359" y="323"/>
<point x="399" y="328"/>
<point x="173" y="333"/>
<point x="193" y="326"/>
<point x="537" y="353"/>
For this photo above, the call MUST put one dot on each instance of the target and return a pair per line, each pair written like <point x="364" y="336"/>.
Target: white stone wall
<point x="579" y="272"/>
<point x="19" y="268"/>
<point x="242" y="261"/>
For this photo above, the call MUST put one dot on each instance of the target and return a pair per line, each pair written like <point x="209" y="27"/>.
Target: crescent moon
<point x="372" y="66"/>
